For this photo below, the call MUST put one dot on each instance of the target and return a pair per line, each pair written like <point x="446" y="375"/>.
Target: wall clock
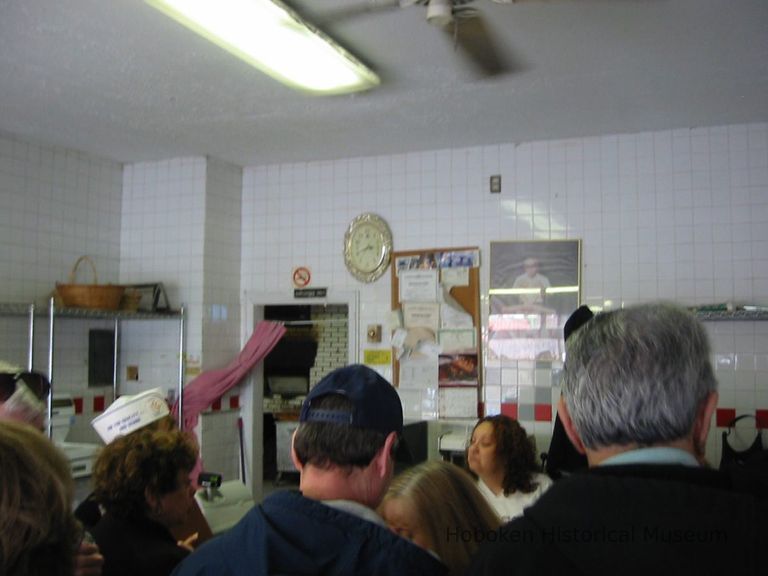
<point x="367" y="247"/>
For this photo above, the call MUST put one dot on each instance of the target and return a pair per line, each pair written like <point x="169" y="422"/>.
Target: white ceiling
<point x="118" y="79"/>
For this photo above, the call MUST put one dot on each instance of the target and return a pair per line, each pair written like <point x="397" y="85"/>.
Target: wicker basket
<point x="92" y="296"/>
<point x="130" y="301"/>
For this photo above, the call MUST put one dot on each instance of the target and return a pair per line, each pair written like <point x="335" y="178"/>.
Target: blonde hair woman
<point x="38" y="532"/>
<point x="438" y="506"/>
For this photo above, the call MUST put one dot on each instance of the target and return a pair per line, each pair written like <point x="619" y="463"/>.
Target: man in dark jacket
<point x="638" y="396"/>
<point x="562" y="458"/>
<point x="350" y="428"/>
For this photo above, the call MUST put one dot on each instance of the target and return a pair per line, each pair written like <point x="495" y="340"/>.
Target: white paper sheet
<point x="398" y="338"/>
<point x="420" y="373"/>
<point x="422" y="315"/>
<point x="457" y="402"/>
<point x="454" y="276"/>
<point x="452" y="314"/>
<point x="418" y="286"/>
<point x="452" y="341"/>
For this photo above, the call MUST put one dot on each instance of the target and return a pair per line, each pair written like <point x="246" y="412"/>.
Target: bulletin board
<point x="437" y="360"/>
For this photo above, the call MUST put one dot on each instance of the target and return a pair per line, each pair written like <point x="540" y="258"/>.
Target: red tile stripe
<point x="510" y="410"/>
<point x="723" y="416"/>
<point x="761" y="417"/>
<point x="99" y="404"/>
<point x="542" y="412"/>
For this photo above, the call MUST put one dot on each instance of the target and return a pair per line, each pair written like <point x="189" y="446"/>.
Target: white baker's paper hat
<point x="129" y="413"/>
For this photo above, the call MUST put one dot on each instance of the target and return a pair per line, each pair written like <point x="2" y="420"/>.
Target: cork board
<point x="467" y="296"/>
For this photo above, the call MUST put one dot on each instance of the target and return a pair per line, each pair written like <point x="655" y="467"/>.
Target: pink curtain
<point x="209" y="386"/>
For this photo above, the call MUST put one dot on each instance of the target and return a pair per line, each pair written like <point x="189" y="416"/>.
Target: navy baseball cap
<point x="375" y="403"/>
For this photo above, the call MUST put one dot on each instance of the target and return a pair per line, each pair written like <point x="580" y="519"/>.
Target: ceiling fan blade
<point x="474" y="39"/>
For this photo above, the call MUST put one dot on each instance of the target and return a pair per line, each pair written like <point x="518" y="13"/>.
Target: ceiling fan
<point x="463" y="23"/>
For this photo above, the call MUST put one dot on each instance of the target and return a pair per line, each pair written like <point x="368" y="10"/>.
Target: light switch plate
<point x="496" y="184"/>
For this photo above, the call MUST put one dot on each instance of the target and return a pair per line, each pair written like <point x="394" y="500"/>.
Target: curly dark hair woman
<point x="142" y="480"/>
<point x="503" y="458"/>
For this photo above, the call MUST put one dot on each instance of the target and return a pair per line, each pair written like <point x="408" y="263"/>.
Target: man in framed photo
<point x="531" y="279"/>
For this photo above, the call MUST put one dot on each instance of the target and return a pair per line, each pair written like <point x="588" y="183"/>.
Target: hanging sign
<point x="310" y="292"/>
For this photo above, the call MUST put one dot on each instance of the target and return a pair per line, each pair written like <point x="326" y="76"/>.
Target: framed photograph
<point x="534" y="288"/>
<point x="457" y="370"/>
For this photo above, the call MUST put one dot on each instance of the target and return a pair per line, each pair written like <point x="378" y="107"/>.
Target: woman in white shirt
<point x="503" y="458"/>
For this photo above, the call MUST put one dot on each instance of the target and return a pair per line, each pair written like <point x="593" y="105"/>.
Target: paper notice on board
<point x="454" y="276"/>
<point x="421" y="315"/>
<point x="377" y="357"/>
<point x="457" y="402"/>
<point x="452" y="341"/>
<point x="395" y="320"/>
<point x="453" y="317"/>
<point x="398" y="337"/>
<point x="426" y="348"/>
<point x="418" y="285"/>
<point x="421" y="373"/>
<point x="419" y="342"/>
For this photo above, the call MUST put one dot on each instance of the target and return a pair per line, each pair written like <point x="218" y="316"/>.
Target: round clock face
<point x="367" y="247"/>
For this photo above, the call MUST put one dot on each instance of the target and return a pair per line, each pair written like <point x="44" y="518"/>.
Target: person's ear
<point x="703" y="422"/>
<point x="154" y="505"/>
<point x="295" y="457"/>
<point x="383" y="461"/>
<point x="565" y="418"/>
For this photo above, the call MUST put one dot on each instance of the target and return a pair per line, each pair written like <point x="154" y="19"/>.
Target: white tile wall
<point x="679" y="215"/>
<point x="674" y="214"/>
<point x="221" y="307"/>
<point x="163" y="231"/>
<point x="221" y="281"/>
<point x="55" y="206"/>
<point x="182" y="226"/>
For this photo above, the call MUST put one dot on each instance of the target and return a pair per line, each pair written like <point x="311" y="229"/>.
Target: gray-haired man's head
<point x="637" y="376"/>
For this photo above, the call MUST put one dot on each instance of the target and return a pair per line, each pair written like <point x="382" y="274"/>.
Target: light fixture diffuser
<point x="273" y="38"/>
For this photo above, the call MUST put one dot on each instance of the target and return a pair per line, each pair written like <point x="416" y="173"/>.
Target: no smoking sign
<point x="301" y="277"/>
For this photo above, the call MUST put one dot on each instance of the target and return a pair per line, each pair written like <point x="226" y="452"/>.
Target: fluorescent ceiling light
<point x="274" y="39"/>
